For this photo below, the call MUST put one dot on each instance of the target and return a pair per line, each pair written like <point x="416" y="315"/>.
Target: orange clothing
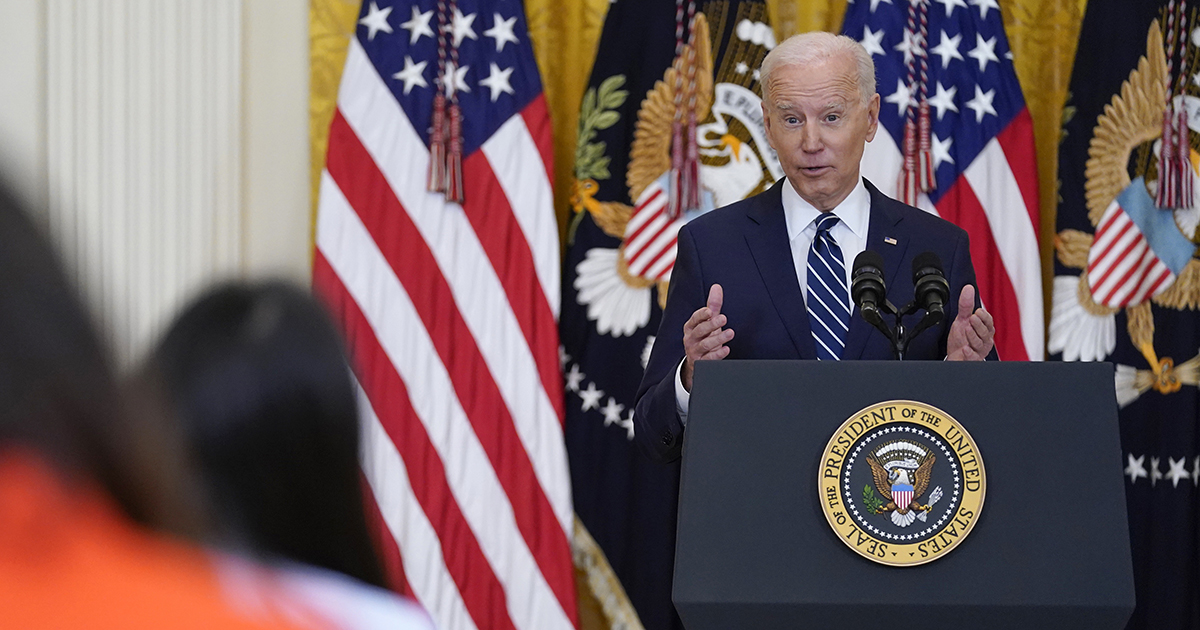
<point x="69" y="559"/>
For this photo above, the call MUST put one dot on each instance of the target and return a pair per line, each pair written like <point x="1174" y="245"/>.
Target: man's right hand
<point x="704" y="335"/>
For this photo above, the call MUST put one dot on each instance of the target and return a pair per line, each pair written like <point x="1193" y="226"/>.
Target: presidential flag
<point x="956" y="139"/>
<point x="670" y="126"/>
<point x="1127" y="281"/>
<point x="437" y="250"/>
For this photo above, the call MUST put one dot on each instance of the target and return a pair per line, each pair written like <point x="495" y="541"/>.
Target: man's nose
<point x="810" y="139"/>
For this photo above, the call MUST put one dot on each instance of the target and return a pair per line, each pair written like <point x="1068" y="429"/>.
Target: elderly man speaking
<point x="768" y="277"/>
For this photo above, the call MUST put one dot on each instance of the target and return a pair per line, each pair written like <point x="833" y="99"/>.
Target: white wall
<point x="23" y="97"/>
<point x="165" y="142"/>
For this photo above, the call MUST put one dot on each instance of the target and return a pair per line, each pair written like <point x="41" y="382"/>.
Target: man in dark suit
<point x="775" y="268"/>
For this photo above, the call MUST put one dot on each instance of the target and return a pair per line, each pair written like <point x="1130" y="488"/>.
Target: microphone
<point x="867" y="287"/>
<point x="930" y="289"/>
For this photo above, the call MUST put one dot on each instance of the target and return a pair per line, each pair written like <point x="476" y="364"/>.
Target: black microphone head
<point x="868" y="258"/>
<point x="929" y="282"/>
<point x="924" y="262"/>
<point x="867" y="287"/>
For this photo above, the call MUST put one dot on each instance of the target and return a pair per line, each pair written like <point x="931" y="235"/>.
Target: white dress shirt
<point x="801" y="217"/>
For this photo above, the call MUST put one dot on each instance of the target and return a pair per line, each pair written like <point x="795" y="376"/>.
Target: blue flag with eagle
<point x="673" y="102"/>
<point x="1127" y="280"/>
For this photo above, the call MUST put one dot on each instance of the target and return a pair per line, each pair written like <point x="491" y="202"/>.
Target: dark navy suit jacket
<point x="744" y="247"/>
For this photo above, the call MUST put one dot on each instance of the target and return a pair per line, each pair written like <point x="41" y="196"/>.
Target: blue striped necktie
<point x="828" y="297"/>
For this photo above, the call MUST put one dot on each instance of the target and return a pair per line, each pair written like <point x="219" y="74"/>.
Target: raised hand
<point x="972" y="333"/>
<point x="704" y="335"/>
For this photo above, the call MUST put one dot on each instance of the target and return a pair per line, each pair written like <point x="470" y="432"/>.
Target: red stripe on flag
<point x="1111" y="244"/>
<point x="385" y="544"/>
<point x="653" y="239"/>
<point x="481" y="591"/>
<point x="385" y="218"/>
<point x="961" y="207"/>
<point x="1137" y="240"/>
<point x="653" y="215"/>
<point x="537" y="121"/>
<point x="491" y="216"/>
<point x="1140" y="263"/>
<point x="1016" y="141"/>
<point x="662" y="252"/>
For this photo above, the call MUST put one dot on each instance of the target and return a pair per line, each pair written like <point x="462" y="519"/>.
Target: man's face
<point x="817" y="123"/>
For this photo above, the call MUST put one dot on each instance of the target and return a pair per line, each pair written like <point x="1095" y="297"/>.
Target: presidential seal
<point x="901" y="483"/>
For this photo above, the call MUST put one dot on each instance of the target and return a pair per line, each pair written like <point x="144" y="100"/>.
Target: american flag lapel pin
<point x="889" y="240"/>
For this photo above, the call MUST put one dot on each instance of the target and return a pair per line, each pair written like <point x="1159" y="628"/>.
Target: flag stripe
<point x="665" y="260"/>
<point x="1016" y="141"/>
<point x="995" y="187"/>
<point x="537" y="122"/>
<point x="429" y="578"/>
<point x="1127" y="263"/>
<point x="385" y="543"/>
<point x="491" y="217"/>
<point x="1107" y="273"/>
<point x="960" y="206"/>
<point x="391" y="226"/>
<point x="462" y="559"/>
<point x="486" y="519"/>
<point x="379" y="123"/>
<point x="512" y="159"/>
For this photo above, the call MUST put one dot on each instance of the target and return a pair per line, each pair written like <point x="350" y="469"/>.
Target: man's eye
<point x="832" y="118"/>
<point x="791" y="120"/>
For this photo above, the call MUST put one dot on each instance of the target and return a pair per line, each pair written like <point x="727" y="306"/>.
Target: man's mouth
<point x="814" y="170"/>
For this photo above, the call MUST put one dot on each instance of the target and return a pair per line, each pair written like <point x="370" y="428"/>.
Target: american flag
<point x="981" y="144"/>
<point x="449" y="312"/>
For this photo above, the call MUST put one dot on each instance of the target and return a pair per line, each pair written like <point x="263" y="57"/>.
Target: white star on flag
<point x="944" y="99"/>
<point x="873" y="41"/>
<point x="875" y="4"/>
<point x="902" y="97"/>
<point x="982" y="103"/>
<point x="908" y="44"/>
<point x="412" y="74"/>
<point x="1136" y="468"/>
<point x="941" y="151"/>
<point x="591" y="397"/>
<point x="458" y="79"/>
<point x="501" y="31"/>
<point x="574" y="378"/>
<point x="376" y="20"/>
<point x="1178" y="471"/>
<point x="612" y="411"/>
<point x="984" y="5"/>
<point x="418" y="25"/>
<point x="460" y="27"/>
<point x="497" y="81"/>
<point x="984" y="51"/>
<point x="950" y="4"/>
<point x="948" y="49"/>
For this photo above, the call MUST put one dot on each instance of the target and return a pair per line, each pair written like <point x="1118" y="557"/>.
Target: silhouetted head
<point x="257" y="376"/>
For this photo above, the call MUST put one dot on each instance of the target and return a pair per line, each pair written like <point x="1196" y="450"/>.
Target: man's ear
<point x="766" y="117"/>
<point x="872" y="117"/>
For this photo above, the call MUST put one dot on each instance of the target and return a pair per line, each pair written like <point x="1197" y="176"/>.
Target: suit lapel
<point x="883" y="224"/>
<point x="768" y="241"/>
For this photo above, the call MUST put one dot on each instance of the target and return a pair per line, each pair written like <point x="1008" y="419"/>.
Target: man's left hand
<point x="972" y="333"/>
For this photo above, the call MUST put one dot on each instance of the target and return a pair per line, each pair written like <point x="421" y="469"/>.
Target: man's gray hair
<point x="815" y="46"/>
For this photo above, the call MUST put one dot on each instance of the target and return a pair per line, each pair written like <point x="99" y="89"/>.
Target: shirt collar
<point x="854" y="211"/>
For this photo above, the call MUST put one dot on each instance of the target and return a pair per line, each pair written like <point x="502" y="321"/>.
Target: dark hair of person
<point x="58" y="395"/>
<point x="257" y="377"/>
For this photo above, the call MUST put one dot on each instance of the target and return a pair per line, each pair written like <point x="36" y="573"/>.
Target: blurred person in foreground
<point x="82" y="482"/>
<point x="257" y="377"/>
